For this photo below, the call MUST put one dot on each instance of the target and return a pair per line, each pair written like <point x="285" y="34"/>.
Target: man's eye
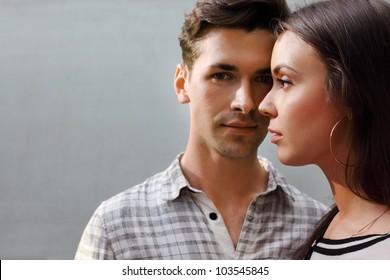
<point x="266" y="79"/>
<point x="220" y="76"/>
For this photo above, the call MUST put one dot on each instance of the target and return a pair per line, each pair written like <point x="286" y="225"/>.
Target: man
<point x="217" y="200"/>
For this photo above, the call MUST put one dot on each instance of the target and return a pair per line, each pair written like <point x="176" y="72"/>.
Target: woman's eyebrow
<point x="277" y="68"/>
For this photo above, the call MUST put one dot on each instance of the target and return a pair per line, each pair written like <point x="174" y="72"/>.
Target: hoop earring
<point x="330" y="144"/>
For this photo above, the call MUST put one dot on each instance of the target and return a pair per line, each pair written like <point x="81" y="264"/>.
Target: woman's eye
<point x="284" y="83"/>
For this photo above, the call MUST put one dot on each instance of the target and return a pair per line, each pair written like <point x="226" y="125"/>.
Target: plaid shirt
<point x="165" y="218"/>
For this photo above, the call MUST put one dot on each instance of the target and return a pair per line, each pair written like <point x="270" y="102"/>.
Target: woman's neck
<point x="357" y="216"/>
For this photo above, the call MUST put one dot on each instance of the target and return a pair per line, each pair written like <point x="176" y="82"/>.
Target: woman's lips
<point x="276" y="136"/>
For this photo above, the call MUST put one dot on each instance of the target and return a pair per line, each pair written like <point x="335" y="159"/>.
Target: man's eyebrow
<point x="225" y="67"/>
<point x="283" y="65"/>
<point x="264" y="71"/>
<point x="229" y="67"/>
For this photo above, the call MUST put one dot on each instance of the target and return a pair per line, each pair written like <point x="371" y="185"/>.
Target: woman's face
<point x="301" y="119"/>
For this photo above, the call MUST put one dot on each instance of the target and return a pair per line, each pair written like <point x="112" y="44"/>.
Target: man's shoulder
<point x="149" y="193"/>
<point x="150" y="188"/>
<point x="303" y="201"/>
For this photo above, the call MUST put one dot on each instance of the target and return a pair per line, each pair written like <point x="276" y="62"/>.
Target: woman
<point x="330" y="106"/>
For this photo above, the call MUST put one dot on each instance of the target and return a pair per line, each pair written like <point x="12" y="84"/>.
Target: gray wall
<point x="87" y="109"/>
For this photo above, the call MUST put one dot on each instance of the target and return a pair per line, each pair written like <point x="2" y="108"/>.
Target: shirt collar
<point x="275" y="179"/>
<point x="175" y="180"/>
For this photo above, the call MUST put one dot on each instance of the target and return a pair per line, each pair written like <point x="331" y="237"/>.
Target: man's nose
<point x="244" y="100"/>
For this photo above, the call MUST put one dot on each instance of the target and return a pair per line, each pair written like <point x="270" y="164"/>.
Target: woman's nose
<point x="267" y="107"/>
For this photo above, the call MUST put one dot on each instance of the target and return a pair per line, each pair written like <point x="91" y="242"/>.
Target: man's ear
<point x="179" y="84"/>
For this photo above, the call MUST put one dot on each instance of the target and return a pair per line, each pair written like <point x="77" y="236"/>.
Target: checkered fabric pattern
<point x="163" y="218"/>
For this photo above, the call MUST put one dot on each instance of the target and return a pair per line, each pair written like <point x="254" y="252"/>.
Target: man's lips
<point x="241" y="127"/>
<point x="241" y="124"/>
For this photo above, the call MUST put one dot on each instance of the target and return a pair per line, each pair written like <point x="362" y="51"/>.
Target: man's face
<point x="224" y="88"/>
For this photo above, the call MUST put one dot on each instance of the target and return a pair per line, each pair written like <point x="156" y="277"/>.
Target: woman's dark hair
<point x="352" y="37"/>
<point x="242" y="14"/>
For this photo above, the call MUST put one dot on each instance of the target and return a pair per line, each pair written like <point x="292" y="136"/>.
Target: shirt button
<point x="213" y="216"/>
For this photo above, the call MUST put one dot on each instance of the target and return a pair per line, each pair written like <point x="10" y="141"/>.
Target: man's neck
<point x="219" y="176"/>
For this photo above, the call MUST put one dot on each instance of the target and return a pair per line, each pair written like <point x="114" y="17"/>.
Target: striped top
<point x="369" y="247"/>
